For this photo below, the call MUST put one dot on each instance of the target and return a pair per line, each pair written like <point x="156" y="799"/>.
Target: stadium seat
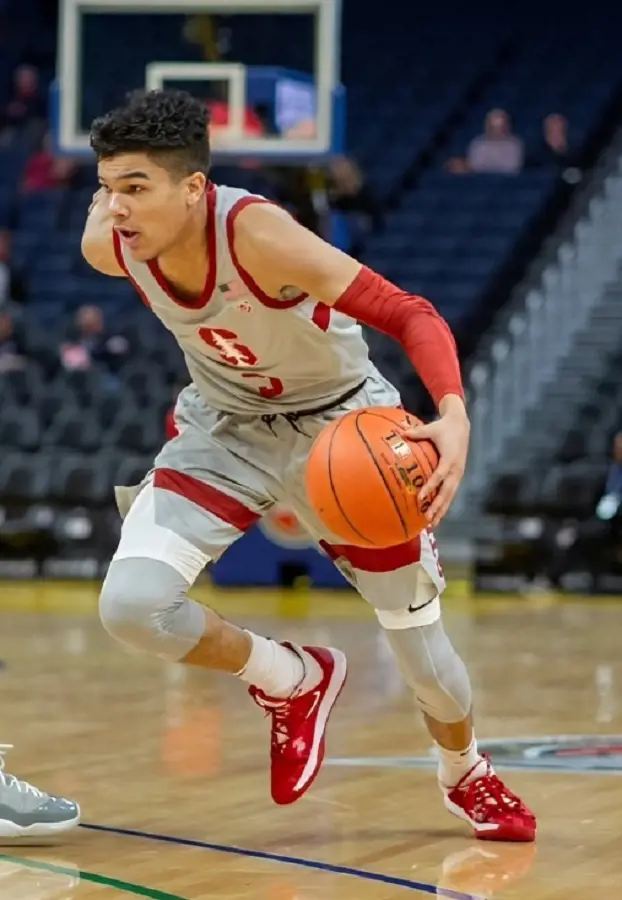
<point x="19" y="429"/>
<point x="74" y="430"/>
<point x="24" y="478"/>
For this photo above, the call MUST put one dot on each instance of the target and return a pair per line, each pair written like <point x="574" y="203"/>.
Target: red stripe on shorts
<point x="207" y="497"/>
<point x="377" y="559"/>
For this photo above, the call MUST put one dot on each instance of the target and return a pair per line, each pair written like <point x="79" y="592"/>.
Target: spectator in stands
<point x="26" y="109"/>
<point x="610" y="502"/>
<point x="497" y="151"/>
<point x="349" y="193"/>
<point x="554" y="149"/>
<point x="12" y="288"/>
<point x="45" y="171"/>
<point x="296" y="189"/>
<point x="554" y="146"/>
<point x="89" y="344"/>
<point x="12" y="348"/>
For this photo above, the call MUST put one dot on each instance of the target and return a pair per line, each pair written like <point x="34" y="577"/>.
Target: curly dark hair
<point x="171" y="126"/>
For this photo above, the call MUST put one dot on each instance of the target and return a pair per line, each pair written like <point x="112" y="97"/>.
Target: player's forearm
<point x="97" y="243"/>
<point x="98" y="225"/>
<point x="416" y="325"/>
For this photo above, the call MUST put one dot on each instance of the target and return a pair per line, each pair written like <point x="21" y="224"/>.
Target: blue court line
<point x="299" y="861"/>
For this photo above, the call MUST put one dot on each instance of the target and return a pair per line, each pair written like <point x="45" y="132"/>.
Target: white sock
<point x="278" y="671"/>
<point x="453" y="765"/>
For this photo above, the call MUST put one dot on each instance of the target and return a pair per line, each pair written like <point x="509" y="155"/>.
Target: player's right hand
<point x="450" y="434"/>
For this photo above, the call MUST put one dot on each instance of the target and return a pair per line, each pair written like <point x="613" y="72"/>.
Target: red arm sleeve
<point x="414" y="323"/>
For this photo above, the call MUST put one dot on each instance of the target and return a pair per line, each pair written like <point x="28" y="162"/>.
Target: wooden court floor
<point x="170" y="766"/>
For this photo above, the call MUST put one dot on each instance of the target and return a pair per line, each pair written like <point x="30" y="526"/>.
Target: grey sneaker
<point x="25" y="811"/>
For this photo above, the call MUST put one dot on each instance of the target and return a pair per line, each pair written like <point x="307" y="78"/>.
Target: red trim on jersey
<point x="247" y="278"/>
<point x="207" y="497"/>
<point x="210" y="280"/>
<point x="413" y="322"/>
<point x="321" y="316"/>
<point x="377" y="559"/>
<point x="118" y="252"/>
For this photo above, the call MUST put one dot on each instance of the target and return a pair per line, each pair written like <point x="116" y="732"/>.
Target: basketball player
<point x="266" y="315"/>
<point x="26" y="811"/>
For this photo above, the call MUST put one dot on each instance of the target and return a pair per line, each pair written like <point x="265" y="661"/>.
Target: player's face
<point x="151" y="208"/>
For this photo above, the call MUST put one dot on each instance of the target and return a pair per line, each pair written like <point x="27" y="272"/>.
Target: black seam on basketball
<point x="379" y="415"/>
<point x="332" y="486"/>
<point x="380" y="472"/>
<point x="372" y="412"/>
<point x="424" y="450"/>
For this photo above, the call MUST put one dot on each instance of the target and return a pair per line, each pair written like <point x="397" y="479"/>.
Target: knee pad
<point x="432" y="668"/>
<point x="143" y="604"/>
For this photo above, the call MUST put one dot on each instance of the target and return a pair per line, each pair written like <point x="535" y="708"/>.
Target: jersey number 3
<point x="226" y="344"/>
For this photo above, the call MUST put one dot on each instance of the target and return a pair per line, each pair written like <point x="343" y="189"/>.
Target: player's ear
<point x="195" y="188"/>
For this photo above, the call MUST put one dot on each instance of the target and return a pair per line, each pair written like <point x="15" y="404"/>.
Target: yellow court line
<point x="80" y="598"/>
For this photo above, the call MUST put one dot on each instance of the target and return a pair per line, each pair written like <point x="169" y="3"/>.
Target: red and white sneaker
<point x="495" y="813"/>
<point x="299" y="725"/>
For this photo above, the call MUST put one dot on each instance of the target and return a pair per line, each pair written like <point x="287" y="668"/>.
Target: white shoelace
<point x="279" y="710"/>
<point x="10" y="781"/>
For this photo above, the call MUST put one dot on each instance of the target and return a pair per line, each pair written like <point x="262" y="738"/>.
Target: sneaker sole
<point x="485" y="831"/>
<point x="316" y="756"/>
<point x="10" y="829"/>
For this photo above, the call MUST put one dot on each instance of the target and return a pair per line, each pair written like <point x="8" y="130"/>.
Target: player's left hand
<point x="450" y="435"/>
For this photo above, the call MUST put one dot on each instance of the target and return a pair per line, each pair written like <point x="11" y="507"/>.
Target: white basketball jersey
<point x="247" y="352"/>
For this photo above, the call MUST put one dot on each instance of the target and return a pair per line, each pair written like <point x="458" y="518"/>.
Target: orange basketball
<point x="363" y="478"/>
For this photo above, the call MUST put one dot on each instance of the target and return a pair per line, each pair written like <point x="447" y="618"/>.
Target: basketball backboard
<point x="108" y="47"/>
